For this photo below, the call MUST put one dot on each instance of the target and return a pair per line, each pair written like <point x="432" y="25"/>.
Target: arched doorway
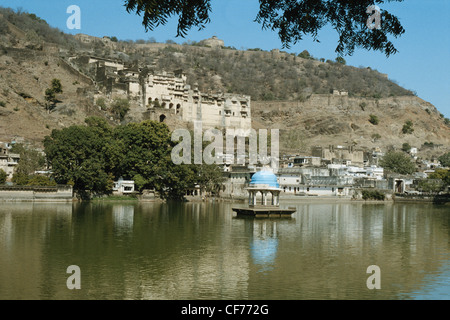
<point x="162" y="118"/>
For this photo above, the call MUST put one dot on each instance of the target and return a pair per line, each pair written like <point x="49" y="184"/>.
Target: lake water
<point x="186" y="251"/>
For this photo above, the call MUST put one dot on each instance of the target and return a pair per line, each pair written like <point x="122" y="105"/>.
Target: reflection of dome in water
<point x="264" y="177"/>
<point x="264" y="251"/>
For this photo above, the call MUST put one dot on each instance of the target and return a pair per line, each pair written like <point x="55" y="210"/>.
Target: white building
<point x="8" y="161"/>
<point x="170" y="92"/>
<point x="123" y="186"/>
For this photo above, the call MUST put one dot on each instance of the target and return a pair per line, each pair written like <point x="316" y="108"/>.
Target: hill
<point x="313" y="101"/>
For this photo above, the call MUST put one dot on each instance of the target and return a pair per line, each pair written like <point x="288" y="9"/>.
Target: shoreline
<point x="445" y="199"/>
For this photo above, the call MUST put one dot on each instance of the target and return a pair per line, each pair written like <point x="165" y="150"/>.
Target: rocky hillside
<point x="290" y="92"/>
<point x="325" y="120"/>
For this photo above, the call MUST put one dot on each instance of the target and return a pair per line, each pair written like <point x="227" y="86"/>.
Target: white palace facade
<point x="169" y="91"/>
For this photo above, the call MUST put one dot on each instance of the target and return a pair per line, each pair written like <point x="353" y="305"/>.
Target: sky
<point x="421" y="65"/>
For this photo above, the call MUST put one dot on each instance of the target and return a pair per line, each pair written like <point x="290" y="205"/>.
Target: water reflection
<point x="123" y="218"/>
<point x="202" y="251"/>
<point x="264" y="244"/>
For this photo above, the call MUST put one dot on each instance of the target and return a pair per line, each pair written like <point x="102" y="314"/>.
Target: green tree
<point x="406" y="147"/>
<point x="445" y="159"/>
<point x="373" y="195"/>
<point x="3" y="176"/>
<point x="209" y="178"/>
<point x="145" y="151"/>
<point x="79" y="154"/>
<point x="291" y="19"/>
<point x="101" y="102"/>
<point x="20" y="178"/>
<point x="373" y="119"/>
<point x="304" y="54"/>
<point x="408" y="127"/>
<point x="31" y="160"/>
<point x="431" y="186"/>
<point x="398" y="162"/>
<point x="120" y="107"/>
<point x="38" y="180"/>
<point x="341" y="60"/>
<point x="56" y="86"/>
<point x="442" y="174"/>
<point x="50" y="93"/>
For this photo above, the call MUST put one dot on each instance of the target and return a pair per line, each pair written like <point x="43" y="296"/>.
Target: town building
<point x="213" y="42"/>
<point x="339" y="154"/>
<point x="8" y="160"/>
<point x="123" y="187"/>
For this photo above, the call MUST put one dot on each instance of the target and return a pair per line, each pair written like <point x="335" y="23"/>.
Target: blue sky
<point x="422" y="64"/>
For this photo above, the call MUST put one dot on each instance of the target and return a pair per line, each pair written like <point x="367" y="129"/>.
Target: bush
<point x="373" y="195"/>
<point x="374" y="120"/>
<point x="101" y="102"/>
<point x="120" y="107"/>
<point x="341" y="60"/>
<point x="20" y="179"/>
<point x="406" y="147"/>
<point x="42" y="181"/>
<point x="408" y="127"/>
<point x="445" y="159"/>
<point x="447" y="122"/>
<point x="3" y="176"/>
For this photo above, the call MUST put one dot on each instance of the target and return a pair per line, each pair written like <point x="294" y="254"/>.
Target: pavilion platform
<point x="264" y="211"/>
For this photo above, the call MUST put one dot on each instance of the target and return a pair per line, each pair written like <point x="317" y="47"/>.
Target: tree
<point x="3" y="176"/>
<point x="145" y="151"/>
<point x="442" y="174"/>
<point x="398" y="162"/>
<point x="38" y="180"/>
<point x="209" y="178"/>
<point x="374" y="120"/>
<point x="304" y="54"/>
<point x="31" y="160"/>
<point x="91" y="157"/>
<point x="79" y="154"/>
<point x="341" y="60"/>
<point x="50" y="93"/>
<point x="431" y="186"/>
<point x="406" y="147"/>
<point x="56" y="86"/>
<point x="408" y="127"/>
<point x="120" y="107"/>
<point x="291" y="19"/>
<point x="445" y="159"/>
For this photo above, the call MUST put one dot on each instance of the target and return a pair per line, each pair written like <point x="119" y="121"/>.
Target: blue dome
<point x="265" y="178"/>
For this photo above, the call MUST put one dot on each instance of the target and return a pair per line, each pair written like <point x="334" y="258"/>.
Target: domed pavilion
<point x="264" y="182"/>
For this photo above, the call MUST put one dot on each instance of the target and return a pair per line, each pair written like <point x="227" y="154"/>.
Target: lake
<point x="186" y="251"/>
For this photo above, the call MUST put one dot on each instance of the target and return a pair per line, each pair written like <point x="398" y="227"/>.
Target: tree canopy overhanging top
<point x="292" y="19"/>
